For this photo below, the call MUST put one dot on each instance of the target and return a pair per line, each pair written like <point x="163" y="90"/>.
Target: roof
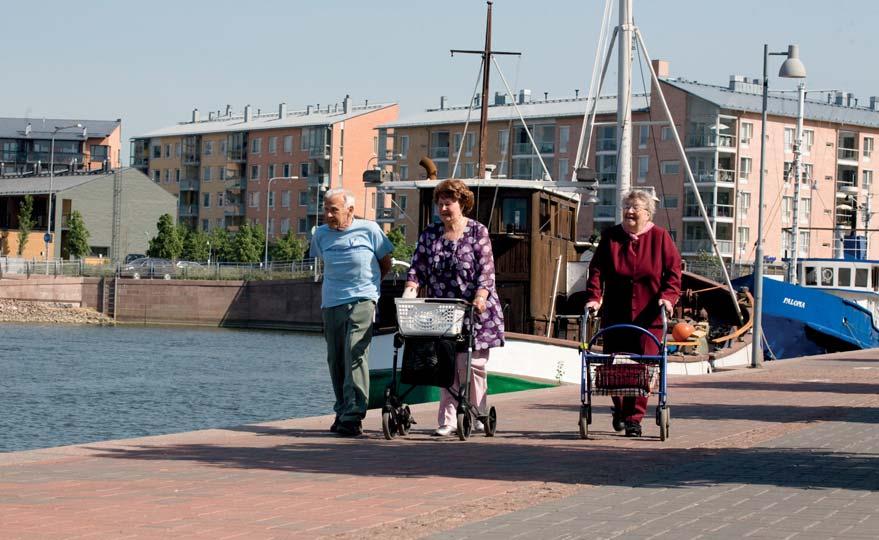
<point x="725" y="98"/>
<point x="42" y="128"/>
<point x="35" y="185"/>
<point x="531" y="110"/>
<point x="264" y="121"/>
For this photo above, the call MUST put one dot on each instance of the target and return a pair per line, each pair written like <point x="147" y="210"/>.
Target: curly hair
<point x="456" y="190"/>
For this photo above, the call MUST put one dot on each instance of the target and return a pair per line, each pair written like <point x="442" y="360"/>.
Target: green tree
<point x="167" y="243"/>
<point x="290" y="247"/>
<point x="77" y="236"/>
<point x="25" y="222"/>
<point x="402" y="249"/>
<point x="248" y="244"/>
<point x="220" y="244"/>
<point x="195" y="246"/>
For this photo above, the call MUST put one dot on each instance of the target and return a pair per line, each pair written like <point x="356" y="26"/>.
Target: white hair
<point x="642" y="195"/>
<point x="349" y="197"/>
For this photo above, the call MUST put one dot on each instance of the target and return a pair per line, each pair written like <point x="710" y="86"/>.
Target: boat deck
<point x="803" y="434"/>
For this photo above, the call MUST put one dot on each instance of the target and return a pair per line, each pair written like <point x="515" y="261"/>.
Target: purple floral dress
<point x="456" y="269"/>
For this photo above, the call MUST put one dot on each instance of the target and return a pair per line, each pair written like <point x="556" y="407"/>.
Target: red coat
<point x="632" y="276"/>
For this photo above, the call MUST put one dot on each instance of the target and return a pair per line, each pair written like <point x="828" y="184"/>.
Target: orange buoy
<point x="682" y="331"/>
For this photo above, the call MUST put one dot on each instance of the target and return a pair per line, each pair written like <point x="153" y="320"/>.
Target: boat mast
<point x="483" y="116"/>
<point x="797" y="172"/>
<point x="624" y="104"/>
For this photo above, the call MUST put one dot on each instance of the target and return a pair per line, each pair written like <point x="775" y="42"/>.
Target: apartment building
<point x="720" y="128"/>
<point x="220" y="166"/>
<point x="80" y="145"/>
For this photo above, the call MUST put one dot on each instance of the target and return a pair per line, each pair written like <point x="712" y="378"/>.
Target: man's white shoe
<point x="444" y="431"/>
<point x="478" y="426"/>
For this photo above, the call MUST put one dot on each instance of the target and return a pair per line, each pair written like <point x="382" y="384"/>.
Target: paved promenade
<point x="788" y="451"/>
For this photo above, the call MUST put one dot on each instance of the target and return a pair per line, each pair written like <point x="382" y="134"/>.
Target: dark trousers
<point x="632" y="409"/>
<point x="348" y="332"/>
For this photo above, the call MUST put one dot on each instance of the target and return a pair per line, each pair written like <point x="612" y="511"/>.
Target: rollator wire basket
<point x="620" y="375"/>
<point x="430" y="317"/>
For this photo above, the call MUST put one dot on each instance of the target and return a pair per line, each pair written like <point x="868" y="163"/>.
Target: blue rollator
<point x="624" y="374"/>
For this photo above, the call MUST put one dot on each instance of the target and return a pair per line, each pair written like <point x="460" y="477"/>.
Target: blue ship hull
<point x="802" y="321"/>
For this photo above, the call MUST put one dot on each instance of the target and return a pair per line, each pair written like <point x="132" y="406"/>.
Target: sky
<point x="151" y="63"/>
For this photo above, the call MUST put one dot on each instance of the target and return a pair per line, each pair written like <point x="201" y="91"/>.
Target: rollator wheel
<point x="584" y="421"/>
<point x="389" y="425"/>
<point x="464" y="425"/>
<point x="664" y="422"/>
<point x="405" y="420"/>
<point x="490" y="423"/>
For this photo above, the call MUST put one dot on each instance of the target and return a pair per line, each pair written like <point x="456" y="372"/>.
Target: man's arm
<point x="384" y="264"/>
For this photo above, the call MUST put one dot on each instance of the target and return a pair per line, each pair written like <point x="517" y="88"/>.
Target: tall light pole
<point x="792" y="67"/>
<point x="48" y="236"/>
<point x="268" y="197"/>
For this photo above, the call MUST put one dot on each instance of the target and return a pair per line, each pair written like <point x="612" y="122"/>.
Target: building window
<point x="404" y="146"/>
<point x="787" y="204"/>
<point x="643" y="134"/>
<point x="868" y="179"/>
<point x="221" y="199"/>
<point x="403" y="202"/>
<point x="664" y="133"/>
<point x="285" y="199"/>
<point x="220" y="223"/>
<point x="744" y="204"/>
<point x="564" y="138"/>
<point x="273" y="145"/>
<point x="747" y="133"/>
<point x="808" y="171"/>
<point x="789" y="137"/>
<point x="157" y="151"/>
<point x="254" y="172"/>
<point x="564" y="171"/>
<point x="669" y="201"/>
<point x="167" y="150"/>
<point x="206" y="174"/>
<point x="256" y="146"/>
<point x="469" y="169"/>
<point x="303" y="198"/>
<point x="643" y="164"/>
<point x="285" y="225"/>
<point x="271" y="170"/>
<point x="254" y="199"/>
<point x="372" y="200"/>
<point x="271" y="199"/>
<point x="744" y="239"/>
<point x="745" y="167"/>
<point x="206" y="200"/>
<point x="288" y="144"/>
<point x="303" y="170"/>
<point x="177" y="176"/>
<point x="99" y="152"/>
<point x="157" y="177"/>
<point x="178" y="149"/>
<point x="167" y="176"/>
<point x="303" y="226"/>
<point x="868" y="147"/>
<point x="671" y="167"/>
<point x="404" y="172"/>
<point x="805" y="211"/>
<point x="808" y="140"/>
<point x="287" y="168"/>
<point x="208" y="148"/>
<point x="205" y="224"/>
<point x="223" y="147"/>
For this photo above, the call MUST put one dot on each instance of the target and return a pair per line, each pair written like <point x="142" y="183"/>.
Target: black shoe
<point x="618" y="423"/>
<point x="633" y="429"/>
<point x="335" y="427"/>
<point x="349" y="429"/>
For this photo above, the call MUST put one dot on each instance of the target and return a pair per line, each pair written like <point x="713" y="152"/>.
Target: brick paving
<point x="789" y="451"/>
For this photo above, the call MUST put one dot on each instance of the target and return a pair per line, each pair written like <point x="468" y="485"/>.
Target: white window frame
<point x="670" y="167"/>
<point x="643" y="168"/>
<point x="643" y="136"/>
<point x="273" y="145"/>
<point x="564" y="138"/>
<point x="288" y="144"/>
<point x="256" y="145"/>
<point x="746" y="133"/>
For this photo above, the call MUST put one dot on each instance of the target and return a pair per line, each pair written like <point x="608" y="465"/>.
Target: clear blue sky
<point x="152" y="63"/>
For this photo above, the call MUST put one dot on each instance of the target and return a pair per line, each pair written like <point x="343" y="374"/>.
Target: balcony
<point x="605" y="211"/>
<point x="439" y="152"/>
<point x="191" y="159"/>
<point x="236" y="155"/>
<point x="527" y="149"/>
<point x="607" y="178"/>
<point x="234" y="185"/>
<point x="693" y="247"/>
<point x="188" y="210"/>
<point x="234" y="209"/>
<point x="847" y="154"/>
<point x="385" y="215"/>
<point x="724" y="211"/>
<point x="140" y="162"/>
<point x="318" y="180"/>
<point x="321" y="151"/>
<point x="719" y="176"/>
<point x="606" y="145"/>
<point x="189" y="185"/>
<point x="725" y="142"/>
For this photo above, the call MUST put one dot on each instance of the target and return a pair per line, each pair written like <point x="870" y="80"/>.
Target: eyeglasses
<point x="634" y="207"/>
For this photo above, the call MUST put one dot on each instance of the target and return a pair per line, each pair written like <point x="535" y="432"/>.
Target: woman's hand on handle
<point x="666" y="305"/>
<point x="592" y="307"/>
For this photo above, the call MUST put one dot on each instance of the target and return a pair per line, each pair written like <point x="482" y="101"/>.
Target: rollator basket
<point x="428" y="317"/>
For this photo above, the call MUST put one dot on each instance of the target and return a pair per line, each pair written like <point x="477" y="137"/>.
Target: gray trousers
<point x="348" y="331"/>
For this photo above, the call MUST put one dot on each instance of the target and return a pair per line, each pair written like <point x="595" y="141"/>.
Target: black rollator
<point x="431" y="332"/>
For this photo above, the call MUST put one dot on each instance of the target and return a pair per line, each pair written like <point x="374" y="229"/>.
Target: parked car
<point x="133" y="257"/>
<point x="149" y="267"/>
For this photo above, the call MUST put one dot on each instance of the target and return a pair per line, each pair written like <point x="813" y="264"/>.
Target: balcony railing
<point x="234" y="209"/>
<point x="189" y="185"/>
<point x="605" y="211"/>
<point x="318" y="152"/>
<point x="385" y="215"/>
<point x="704" y="245"/>
<point x="318" y="180"/>
<point x="188" y="210"/>
<point x="234" y="184"/>
<point x="439" y="152"/>
<point x="847" y="154"/>
<point x="720" y="175"/>
<point x="237" y="154"/>
<point x="527" y="149"/>
<point x="702" y="141"/>
<point x="607" y="179"/>
<point x="723" y="210"/>
<point x="191" y="159"/>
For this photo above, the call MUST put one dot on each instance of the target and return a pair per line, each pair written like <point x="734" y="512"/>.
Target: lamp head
<point x="792" y="68"/>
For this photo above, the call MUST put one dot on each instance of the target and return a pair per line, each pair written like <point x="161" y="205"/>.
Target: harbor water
<point x="64" y="385"/>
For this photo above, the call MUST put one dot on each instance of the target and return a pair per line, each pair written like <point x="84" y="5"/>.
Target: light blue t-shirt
<point x="351" y="270"/>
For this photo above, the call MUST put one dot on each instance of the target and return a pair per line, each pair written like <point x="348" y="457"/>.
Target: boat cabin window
<point x="876" y="278"/>
<point x="844" y="277"/>
<point x="827" y="277"/>
<point x="862" y="277"/>
<point x="811" y="276"/>
<point x="514" y="212"/>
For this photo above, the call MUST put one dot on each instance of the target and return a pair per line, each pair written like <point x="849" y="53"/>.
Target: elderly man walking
<point x="356" y="255"/>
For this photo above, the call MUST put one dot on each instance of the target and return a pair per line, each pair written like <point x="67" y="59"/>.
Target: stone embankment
<point x="22" y="311"/>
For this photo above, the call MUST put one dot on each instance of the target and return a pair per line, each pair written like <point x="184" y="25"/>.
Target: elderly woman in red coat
<point x="635" y="272"/>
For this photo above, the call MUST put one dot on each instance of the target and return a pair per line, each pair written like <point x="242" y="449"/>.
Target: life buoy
<point x="826" y="275"/>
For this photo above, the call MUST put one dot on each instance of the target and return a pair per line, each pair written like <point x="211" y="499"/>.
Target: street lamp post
<point x="268" y="196"/>
<point x="48" y="236"/>
<point x="793" y="68"/>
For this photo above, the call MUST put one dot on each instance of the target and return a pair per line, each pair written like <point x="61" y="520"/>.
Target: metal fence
<point x="304" y="269"/>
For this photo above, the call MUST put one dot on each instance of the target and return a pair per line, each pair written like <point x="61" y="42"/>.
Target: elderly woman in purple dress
<point x="453" y="259"/>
